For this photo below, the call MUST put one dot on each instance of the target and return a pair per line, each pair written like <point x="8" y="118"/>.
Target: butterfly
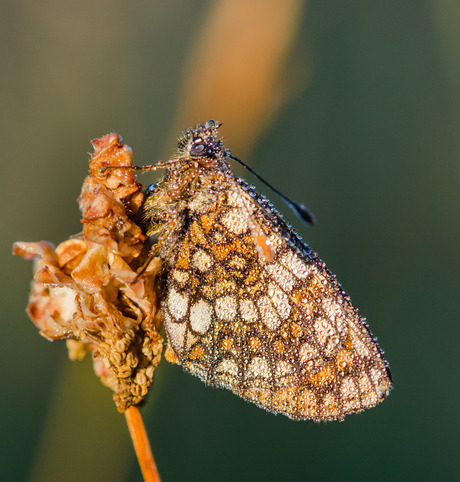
<point x="246" y="304"/>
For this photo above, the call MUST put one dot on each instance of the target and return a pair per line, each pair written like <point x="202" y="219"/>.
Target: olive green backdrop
<point x="365" y="133"/>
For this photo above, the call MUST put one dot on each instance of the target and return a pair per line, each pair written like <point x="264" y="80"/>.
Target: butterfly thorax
<point x="195" y="182"/>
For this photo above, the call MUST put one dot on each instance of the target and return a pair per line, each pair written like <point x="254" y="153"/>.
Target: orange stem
<point x="141" y="444"/>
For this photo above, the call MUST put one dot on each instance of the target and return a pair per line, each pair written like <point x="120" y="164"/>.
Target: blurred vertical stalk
<point x="238" y="68"/>
<point x="141" y="444"/>
<point x="447" y="18"/>
<point x="81" y="438"/>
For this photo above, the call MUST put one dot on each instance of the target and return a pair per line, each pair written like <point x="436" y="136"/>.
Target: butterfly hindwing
<point x="277" y="330"/>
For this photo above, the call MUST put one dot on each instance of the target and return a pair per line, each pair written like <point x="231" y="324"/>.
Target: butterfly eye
<point x="198" y="149"/>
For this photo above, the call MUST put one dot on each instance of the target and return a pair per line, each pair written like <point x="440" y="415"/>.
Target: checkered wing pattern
<point x="276" y="329"/>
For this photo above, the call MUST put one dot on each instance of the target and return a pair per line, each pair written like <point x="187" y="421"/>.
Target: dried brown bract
<point x="86" y="289"/>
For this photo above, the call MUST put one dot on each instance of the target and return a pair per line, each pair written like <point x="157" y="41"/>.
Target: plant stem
<point x="141" y="445"/>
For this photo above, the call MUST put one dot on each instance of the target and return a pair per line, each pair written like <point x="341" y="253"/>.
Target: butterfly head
<point x="203" y="141"/>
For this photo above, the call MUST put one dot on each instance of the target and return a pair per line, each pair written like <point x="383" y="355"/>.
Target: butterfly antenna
<point x="299" y="209"/>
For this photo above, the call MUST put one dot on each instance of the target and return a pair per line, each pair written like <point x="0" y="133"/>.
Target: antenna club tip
<point x="305" y="214"/>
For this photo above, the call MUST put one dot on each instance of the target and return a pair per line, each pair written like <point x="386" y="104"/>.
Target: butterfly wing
<point x="277" y="330"/>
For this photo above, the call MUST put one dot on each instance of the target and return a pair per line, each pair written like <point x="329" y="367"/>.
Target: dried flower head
<point x="86" y="290"/>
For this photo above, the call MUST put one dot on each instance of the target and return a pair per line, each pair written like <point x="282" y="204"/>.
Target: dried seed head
<point x="86" y="289"/>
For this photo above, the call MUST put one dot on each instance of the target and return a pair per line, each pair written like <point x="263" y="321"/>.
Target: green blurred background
<point x="349" y="107"/>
